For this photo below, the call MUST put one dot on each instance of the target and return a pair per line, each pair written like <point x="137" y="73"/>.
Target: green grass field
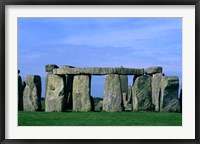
<point x="98" y="118"/>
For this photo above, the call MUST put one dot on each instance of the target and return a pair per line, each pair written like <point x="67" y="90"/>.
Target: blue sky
<point x="99" y="42"/>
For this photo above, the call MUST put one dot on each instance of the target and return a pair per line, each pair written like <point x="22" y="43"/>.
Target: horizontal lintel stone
<point x="98" y="71"/>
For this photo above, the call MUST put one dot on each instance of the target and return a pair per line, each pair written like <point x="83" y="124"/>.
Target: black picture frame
<point x="3" y="3"/>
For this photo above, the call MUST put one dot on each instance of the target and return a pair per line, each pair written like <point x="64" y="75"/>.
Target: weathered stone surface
<point x="156" y="90"/>
<point x="100" y="105"/>
<point x="128" y="71"/>
<point x="169" y="94"/>
<point x="20" y="93"/>
<point x="132" y="90"/>
<point x="32" y="93"/>
<point x="55" y="99"/>
<point x="127" y="100"/>
<point x="153" y="70"/>
<point x="68" y="86"/>
<point x="124" y="84"/>
<point x="142" y="92"/>
<point x="98" y="71"/>
<point x="50" y="67"/>
<point x="112" y="101"/>
<point x="81" y="93"/>
<point x="129" y="95"/>
<point x="67" y="66"/>
<point x="129" y="103"/>
<point x="49" y="71"/>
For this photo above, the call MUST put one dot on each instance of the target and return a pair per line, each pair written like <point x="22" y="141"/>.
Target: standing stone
<point x="32" y="93"/>
<point x="49" y="70"/>
<point x="112" y="101"/>
<point x="169" y="94"/>
<point x="20" y="93"/>
<point x="132" y="91"/>
<point x="124" y="89"/>
<point x="55" y="94"/>
<point x="124" y="83"/>
<point x="68" y="86"/>
<point x="156" y="90"/>
<point x="81" y="93"/>
<point x="142" y="91"/>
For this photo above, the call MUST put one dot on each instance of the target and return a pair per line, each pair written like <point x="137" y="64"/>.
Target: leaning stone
<point x="20" y="93"/>
<point x="153" y="70"/>
<point x="81" y="93"/>
<point x="112" y="101"/>
<point x="32" y="93"/>
<point x="169" y="94"/>
<point x="50" y="67"/>
<point x="55" y="94"/>
<point x="156" y="90"/>
<point x="142" y="91"/>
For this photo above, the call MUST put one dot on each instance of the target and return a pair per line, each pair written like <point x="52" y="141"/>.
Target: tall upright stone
<point x="124" y="89"/>
<point x="156" y="90"/>
<point x="20" y="93"/>
<point x="69" y="88"/>
<point x="124" y="83"/>
<point x="32" y="93"/>
<point x="132" y="91"/>
<point x="55" y="99"/>
<point x="49" y="70"/>
<point x="142" y="92"/>
<point x="112" y="101"/>
<point x="69" y="84"/>
<point x="169" y="94"/>
<point x="81" y="93"/>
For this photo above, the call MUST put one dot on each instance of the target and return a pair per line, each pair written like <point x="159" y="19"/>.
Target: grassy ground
<point x="99" y="119"/>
